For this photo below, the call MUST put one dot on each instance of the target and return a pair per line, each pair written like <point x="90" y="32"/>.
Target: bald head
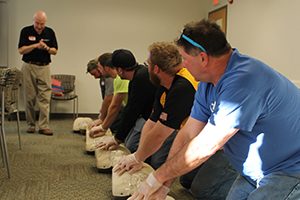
<point x="39" y="21"/>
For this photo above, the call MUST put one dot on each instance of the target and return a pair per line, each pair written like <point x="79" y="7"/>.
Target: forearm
<point x="27" y="49"/>
<point x="152" y="140"/>
<point x="178" y="144"/>
<point x="148" y="126"/>
<point x="51" y="50"/>
<point x="183" y="137"/>
<point x="195" y="152"/>
<point x="97" y="122"/>
<point x="112" y="114"/>
<point x="105" y="105"/>
<point x="189" y="131"/>
<point x="183" y="161"/>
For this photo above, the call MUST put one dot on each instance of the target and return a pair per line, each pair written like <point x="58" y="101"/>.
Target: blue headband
<point x="192" y="42"/>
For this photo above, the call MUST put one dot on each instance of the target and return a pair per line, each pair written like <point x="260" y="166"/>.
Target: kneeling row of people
<point x="147" y="116"/>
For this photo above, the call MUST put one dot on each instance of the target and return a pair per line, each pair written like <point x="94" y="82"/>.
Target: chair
<point x="68" y="91"/>
<point x="9" y="87"/>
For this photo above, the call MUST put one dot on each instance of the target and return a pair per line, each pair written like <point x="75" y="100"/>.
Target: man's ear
<point x="156" y="69"/>
<point x="204" y="57"/>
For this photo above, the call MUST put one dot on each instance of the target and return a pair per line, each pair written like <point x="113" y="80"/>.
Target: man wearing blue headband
<point x="243" y="106"/>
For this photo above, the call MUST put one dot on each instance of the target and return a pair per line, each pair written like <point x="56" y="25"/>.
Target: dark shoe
<point x="46" y="131"/>
<point x="105" y="171"/>
<point x="30" y="130"/>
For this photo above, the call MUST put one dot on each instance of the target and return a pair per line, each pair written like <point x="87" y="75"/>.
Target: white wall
<point x="3" y="34"/>
<point x="85" y="29"/>
<point x="268" y="30"/>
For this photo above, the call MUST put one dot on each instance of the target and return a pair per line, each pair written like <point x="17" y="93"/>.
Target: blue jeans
<point x="274" y="186"/>
<point x="133" y="138"/>
<point x="211" y="180"/>
<point x="117" y="122"/>
<point x="160" y="156"/>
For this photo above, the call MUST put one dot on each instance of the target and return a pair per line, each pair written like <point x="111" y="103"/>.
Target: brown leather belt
<point x="38" y="63"/>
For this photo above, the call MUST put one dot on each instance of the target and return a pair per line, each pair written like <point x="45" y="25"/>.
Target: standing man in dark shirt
<point x="141" y="94"/>
<point x="37" y="42"/>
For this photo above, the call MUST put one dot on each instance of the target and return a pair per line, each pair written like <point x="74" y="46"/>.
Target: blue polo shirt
<point x="265" y="106"/>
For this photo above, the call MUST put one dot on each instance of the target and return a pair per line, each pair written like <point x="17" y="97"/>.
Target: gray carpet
<point x="55" y="167"/>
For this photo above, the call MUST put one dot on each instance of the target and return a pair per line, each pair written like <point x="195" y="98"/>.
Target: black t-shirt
<point x="29" y="36"/>
<point x="141" y="93"/>
<point x="173" y="106"/>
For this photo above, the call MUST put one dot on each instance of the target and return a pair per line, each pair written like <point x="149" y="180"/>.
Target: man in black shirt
<point x="37" y="42"/>
<point x="171" y="108"/>
<point x="141" y="94"/>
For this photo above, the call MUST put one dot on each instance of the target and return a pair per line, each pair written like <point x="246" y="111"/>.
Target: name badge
<point x="31" y="38"/>
<point x="163" y="116"/>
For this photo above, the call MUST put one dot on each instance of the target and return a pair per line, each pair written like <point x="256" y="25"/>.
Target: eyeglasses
<point x="192" y="42"/>
<point x="147" y="63"/>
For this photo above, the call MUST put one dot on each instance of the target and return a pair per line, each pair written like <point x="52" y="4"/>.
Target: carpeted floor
<point x="55" y="167"/>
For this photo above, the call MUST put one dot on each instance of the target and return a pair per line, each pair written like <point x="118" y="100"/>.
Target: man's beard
<point x="154" y="79"/>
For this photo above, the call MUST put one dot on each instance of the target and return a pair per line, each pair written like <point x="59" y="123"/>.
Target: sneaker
<point x="46" y="131"/>
<point x="30" y="130"/>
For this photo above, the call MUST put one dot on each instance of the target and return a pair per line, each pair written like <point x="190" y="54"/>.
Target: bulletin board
<point x="220" y="17"/>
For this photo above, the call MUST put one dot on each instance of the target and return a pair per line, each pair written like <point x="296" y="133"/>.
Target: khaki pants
<point x="37" y="89"/>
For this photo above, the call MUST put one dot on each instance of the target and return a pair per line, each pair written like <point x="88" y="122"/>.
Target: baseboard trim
<point x="13" y="116"/>
<point x="70" y="115"/>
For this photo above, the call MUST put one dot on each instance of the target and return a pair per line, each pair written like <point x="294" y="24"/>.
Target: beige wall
<point x="3" y="34"/>
<point x="87" y="28"/>
<point x="268" y="30"/>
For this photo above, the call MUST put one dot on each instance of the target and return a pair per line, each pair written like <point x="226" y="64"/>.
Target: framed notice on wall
<point x="220" y="17"/>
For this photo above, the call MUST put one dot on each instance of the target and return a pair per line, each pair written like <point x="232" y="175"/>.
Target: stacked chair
<point x="9" y="86"/>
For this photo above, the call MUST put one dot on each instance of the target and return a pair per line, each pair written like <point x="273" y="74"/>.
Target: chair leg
<point x="50" y="106"/>
<point x="3" y="140"/>
<point x="1" y="149"/>
<point x="18" y="119"/>
<point x="74" y="102"/>
<point x="77" y="106"/>
<point x="18" y="124"/>
<point x="4" y="150"/>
